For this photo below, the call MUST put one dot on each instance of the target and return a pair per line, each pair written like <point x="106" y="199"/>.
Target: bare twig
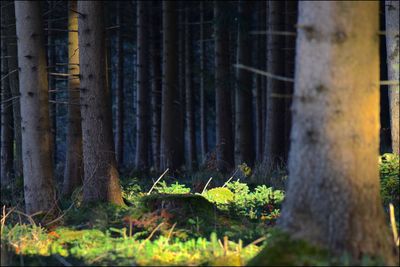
<point x="159" y="178"/>
<point x="205" y="187"/>
<point x="264" y="73"/>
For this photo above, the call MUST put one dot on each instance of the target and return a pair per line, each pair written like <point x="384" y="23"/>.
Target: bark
<point x="13" y="80"/>
<point x="156" y="85"/>
<point x="6" y="151"/>
<point x="333" y="185"/>
<point x="203" y="103"/>
<point x="171" y="139"/>
<point x="224" y="136"/>
<point x="244" y="96"/>
<point x="36" y="136"/>
<point x="189" y="94"/>
<point x="142" y="132"/>
<point x="119" y="97"/>
<point x="392" y="48"/>
<point x="101" y="181"/>
<point x="73" y="171"/>
<point x="275" y="118"/>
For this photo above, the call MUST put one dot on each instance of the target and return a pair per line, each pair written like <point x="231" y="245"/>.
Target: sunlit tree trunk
<point x="171" y="139"/>
<point x="392" y="46"/>
<point x="101" y="181"/>
<point x="224" y="136"/>
<point x="36" y="136"/>
<point x="73" y="172"/>
<point x="333" y="197"/>
<point x="244" y="96"/>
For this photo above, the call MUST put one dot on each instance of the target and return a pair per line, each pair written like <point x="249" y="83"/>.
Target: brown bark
<point x="224" y="136"/>
<point x="142" y="128"/>
<point x="203" y="103"/>
<point x="36" y="136"/>
<point x="333" y="189"/>
<point x="244" y="96"/>
<point x="101" y="181"/>
<point x="274" y="151"/>
<point x="392" y="48"/>
<point x="171" y="139"/>
<point x="73" y="172"/>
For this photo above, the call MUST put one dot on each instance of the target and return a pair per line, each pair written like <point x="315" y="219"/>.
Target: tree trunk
<point x="224" y="138"/>
<point x="203" y="103"/>
<point x="156" y="84"/>
<point x="36" y="136"/>
<point x="333" y="189"/>
<point x="392" y="48"/>
<point x="6" y="151"/>
<point x="171" y="143"/>
<point x="244" y="95"/>
<point x="119" y="97"/>
<point x="275" y="117"/>
<point x="73" y="171"/>
<point x="142" y="129"/>
<point x="13" y="80"/>
<point x="101" y="182"/>
<point x="190" y="117"/>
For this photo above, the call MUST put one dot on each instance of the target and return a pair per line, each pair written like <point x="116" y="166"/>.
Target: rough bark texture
<point x="333" y="189"/>
<point x="171" y="140"/>
<point x="73" y="172"/>
<point x="224" y="136"/>
<point x="36" y="136"/>
<point x="6" y="144"/>
<point x="13" y="80"/>
<point x="142" y="132"/>
<point x="156" y="84"/>
<point x="244" y="96"/>
<point x="189" y="94"/>
<point x="119" y="97"/>
<point x="275" y="117"/>
<point x="392" y="47"/>
<point x="101" y="181"/>
<point x="203" y="103"/>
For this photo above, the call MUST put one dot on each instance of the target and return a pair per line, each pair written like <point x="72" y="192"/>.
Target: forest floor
<point x="190" y="222"/>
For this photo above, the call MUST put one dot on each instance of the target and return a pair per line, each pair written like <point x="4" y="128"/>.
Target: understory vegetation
<point x="191" y="222"/>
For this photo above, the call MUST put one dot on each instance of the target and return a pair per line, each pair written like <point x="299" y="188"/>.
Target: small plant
<point x="176" y="188"/>
<point x="219" y="195"/>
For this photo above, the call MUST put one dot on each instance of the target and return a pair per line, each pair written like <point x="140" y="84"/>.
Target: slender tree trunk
<point x="119" y="97"/>
<point x="224" y="138"/>
<point x="244" y="96"/>
<point x="333" y="189"/>
<point x="181" y="77"/>
<point x="171" y="143"/>
<point x="190" y="123"/>
<point x="203" y="103"/>
<point x="101" y="182"/>
<point x="73" y="171"/>
<point x="13" y="80"/>
<point x="156" y="84"/>
<point x="6" y="151"/>
<point x="36" y="136"/>
<point x="275" y="117"/>
<point x="142" y="133"/>
<point x="392" y="48"/>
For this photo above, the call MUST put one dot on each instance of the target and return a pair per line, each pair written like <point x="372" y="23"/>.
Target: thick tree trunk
<point x="244" y="95"/>
<point x="392" y="48"/>
<point x="156" y="85"/>
<point x="203" y="103"/>
<point x="13" y="80"/>
<point x="6" y="144"/>
<point x="36" y="136"/>
<point x="119" y="97"/>
<point x="189" y="95"/>
<point x="171" y="141"/>
<point x="333" y="189"/>
<point x="224" y="136"/>
<point x="101" y="182"/>
<point x="73" y="171"/>
<point x="142" y="129"/>
<point x="275" y="117"/>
